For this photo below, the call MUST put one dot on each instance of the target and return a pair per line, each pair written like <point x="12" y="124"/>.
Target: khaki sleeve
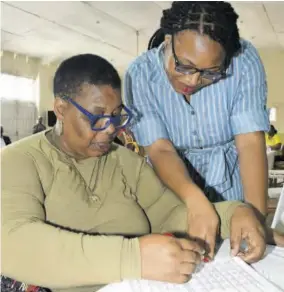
<point x="37" y="253"/>
<point x="166" y="212"/>
<point x="225" y="211"/>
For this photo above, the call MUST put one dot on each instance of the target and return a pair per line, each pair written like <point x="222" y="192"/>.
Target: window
<point x="272" y="114"/>
<point x="18" y="105"/>
<point x="17" y="88"/>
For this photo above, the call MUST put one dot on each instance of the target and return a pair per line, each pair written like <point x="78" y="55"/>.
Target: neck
<point x="60" y="143"/>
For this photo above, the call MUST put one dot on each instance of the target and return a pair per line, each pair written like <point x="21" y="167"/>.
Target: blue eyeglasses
<point x="101" y="122"/>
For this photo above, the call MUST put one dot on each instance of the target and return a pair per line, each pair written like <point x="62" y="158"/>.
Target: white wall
<point x="45" y="79"/>
<point x="273" y="61"/>
<point x="19" y="65"/>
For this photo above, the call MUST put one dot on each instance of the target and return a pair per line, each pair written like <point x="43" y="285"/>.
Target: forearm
<point x="254" y="173"/>
<point x="168" y="214"/>
<point x="174" y="174"/>
<point x="47" y="256"/>
<point x="176" y="221"/>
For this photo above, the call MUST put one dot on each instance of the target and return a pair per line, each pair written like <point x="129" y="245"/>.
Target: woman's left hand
<point x="245" y="226"/>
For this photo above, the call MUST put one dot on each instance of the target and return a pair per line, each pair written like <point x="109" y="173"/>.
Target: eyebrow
<point x="193" y="65"/>
<point x="103" y="108"/>
<point x="99" y="107"/>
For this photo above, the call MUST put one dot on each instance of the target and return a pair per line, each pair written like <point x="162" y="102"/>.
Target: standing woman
<point x="199" y="95"/>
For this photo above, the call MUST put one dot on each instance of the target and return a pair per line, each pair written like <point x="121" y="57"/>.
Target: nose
<point x="110" y="130"/>
<point x="192" y="80"/>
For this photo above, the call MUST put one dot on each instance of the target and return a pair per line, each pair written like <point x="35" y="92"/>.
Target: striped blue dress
<point x="203" y="130"/>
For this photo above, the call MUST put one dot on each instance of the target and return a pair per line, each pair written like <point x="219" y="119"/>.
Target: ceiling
<point x="117" y="30"/>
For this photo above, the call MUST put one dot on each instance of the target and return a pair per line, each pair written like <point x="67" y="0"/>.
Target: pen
<point x="169" y="234"/>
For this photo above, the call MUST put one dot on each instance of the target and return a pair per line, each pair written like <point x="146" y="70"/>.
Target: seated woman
<point x="79" y="211"/>
<point x="273" y="140"/>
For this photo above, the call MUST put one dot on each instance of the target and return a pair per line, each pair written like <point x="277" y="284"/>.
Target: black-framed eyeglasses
<point x="213" y="76"/>
<point x="101" y="122"/>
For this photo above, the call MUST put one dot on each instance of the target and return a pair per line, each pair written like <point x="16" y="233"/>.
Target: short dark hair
<point x="217" y="19"/>
<point x="85" y="68"/>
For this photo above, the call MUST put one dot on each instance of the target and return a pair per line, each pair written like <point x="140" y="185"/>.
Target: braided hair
<point x="217" y="19"/>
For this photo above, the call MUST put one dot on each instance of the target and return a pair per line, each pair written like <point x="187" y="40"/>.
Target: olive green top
<point x="72" y="225"/>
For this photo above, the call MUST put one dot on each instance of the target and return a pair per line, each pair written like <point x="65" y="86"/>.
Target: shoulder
<point x="23" y="150"/>
<point x="249" y="56"/>
<point x="144" y="64"/>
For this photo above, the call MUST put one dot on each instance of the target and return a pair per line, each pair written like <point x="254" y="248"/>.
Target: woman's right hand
<point x="203" y="221"/>
<point x="168" y="259"/>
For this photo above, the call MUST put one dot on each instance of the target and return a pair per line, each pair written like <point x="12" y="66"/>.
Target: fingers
<point x="245" y="226"/>
<point x="191" y="257"/>
<point x="191" y="245"/>
<point x="235" y="240"/>
<point x="182" y="278"/>
<point x="187" y="269"/>
<point x="256" y="247"/>
<point x="211" y="241"/>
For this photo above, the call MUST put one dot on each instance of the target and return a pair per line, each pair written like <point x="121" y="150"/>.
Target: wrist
<point x="245" y="206"/>
<point x="192" y="194"/>
<point x="260" y="214"/>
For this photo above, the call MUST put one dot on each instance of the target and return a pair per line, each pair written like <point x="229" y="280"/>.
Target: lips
<point x="188" y="89"/>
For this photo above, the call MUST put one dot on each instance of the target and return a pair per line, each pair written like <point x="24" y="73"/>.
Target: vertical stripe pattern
<point x="202" y="131"/>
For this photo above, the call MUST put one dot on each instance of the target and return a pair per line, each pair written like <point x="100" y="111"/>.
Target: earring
<point x="59" y="128"/>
